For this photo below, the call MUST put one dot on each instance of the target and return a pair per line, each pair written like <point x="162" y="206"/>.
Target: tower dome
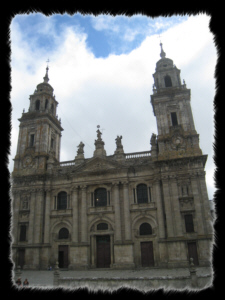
<point x="45" y="86"/>
<point x="166" y="73"/>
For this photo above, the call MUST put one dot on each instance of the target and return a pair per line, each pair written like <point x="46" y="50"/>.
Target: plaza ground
<point x="45" y="278"/>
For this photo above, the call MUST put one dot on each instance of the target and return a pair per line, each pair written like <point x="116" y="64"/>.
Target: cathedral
<point x="122" y="211"/>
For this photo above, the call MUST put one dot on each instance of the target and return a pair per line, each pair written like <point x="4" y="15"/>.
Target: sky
<point x="101" y="67"/>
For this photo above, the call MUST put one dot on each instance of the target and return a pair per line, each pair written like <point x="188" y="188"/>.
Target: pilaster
<point x="47" y="216"/>
<point x="168" y="207"/>
<point x="160" y="210"/>
<point x="38" y="215"/>
<point x="117" y="215"/>
<point x="84" y="214"/>
<point x="126" y="212"/>
<point x="74" y="197"/>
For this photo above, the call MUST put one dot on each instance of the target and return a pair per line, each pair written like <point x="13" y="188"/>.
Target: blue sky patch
<point x="105" y="34"/>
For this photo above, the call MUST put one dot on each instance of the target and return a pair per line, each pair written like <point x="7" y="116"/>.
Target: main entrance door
<point x="103" y="251"/>
<point x="63" y="256"/>
<point x="147" y="257"/>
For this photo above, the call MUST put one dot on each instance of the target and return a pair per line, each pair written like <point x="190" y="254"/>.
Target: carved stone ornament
<point x="186" y="203"/>
<point x="25" y="216"/>
<point x="177" y="142"/>
<point x="27" y="161"/>
<point x="25" y="202"/>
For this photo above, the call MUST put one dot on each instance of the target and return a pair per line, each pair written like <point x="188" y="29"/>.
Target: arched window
<point x="142" y="193"/>
<point x="145" y="229"/>
<point x="100" y="197"/>
<point x="102" y="226"/>
<point x="63" y="233"/>
<point x="52" y="108"/>
<point x="37" y="105"/>
<point x="168" y="81"/>
<point x="62" y="200"/>
<point x="46" y="103"/>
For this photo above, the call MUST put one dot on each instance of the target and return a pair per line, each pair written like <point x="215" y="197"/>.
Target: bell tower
<point x="40" y="131"/>
<point x="177" y="136"/>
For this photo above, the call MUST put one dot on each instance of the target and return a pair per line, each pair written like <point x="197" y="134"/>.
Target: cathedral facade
<point x="126" y="210"/>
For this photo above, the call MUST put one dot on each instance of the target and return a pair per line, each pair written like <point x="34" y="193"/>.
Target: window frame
<point x="174" y="119"/>
<point x="23" y="233"/>
<point x="37" y="105"/>
<point x="139" y="190"/>
<point x="31" y="143"/>
<point x="62" y="204"/>
<point x="145" y="231"/>
<point x="102" y="226"/>
<point x="63" y="234"/>
<point x="103" y="197"/>
<point x="189" y="223"/>
<point x="168" y="81"/>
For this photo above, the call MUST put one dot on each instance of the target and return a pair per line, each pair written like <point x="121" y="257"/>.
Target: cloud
<point x="113" y="92"/>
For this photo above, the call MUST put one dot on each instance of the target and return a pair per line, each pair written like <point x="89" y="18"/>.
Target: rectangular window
<point x="31" y="140"/>
<point x="52" y="143"/>
<point x="189" y="225"/>
<point x="23" y="231"/>
<point x="174" y="118"/>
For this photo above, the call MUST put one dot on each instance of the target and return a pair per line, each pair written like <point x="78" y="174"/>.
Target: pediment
<point x="98" y="164"/>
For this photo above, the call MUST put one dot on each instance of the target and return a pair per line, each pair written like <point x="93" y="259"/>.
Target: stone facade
<point x="127" y="210"/>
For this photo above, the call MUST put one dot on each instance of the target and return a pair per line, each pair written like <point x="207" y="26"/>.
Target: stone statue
<point x="118" y="141"/>
<point x="153" y="139"/>
<point x="80" y="148"/>
<point x="99" y="135"/>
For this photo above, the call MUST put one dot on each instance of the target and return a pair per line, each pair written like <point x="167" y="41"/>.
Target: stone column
<point x="111" y="249"/>
<point x="160" y="210"/>
<point x="38" y="215"/>
<point x="197" y="203"/>
<point x="74" y="199"/>
<point x="93" y="251"/>
<point x="205" y="204"/>
<point x="168" y="208"/>
<point x="126" y="211"/>
<point x="117" y="211"/>
<point x="47" y="216"/>
<point x="31" y="217"/>
<point x="16" y="207"/>
<point x="176" y="207"/>
<point x="84" y="214"/>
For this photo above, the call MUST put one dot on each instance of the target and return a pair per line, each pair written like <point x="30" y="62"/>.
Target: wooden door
<point x="63" y="256"/>
<point x="21" y="258"/>
<point x="147" y="257"/>
<point x="192" y="252"/>
<point x="103" y="251"/>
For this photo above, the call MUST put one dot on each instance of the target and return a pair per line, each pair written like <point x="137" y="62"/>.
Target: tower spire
<point x="162" y="54"/>
<point x="46" y="79"/>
